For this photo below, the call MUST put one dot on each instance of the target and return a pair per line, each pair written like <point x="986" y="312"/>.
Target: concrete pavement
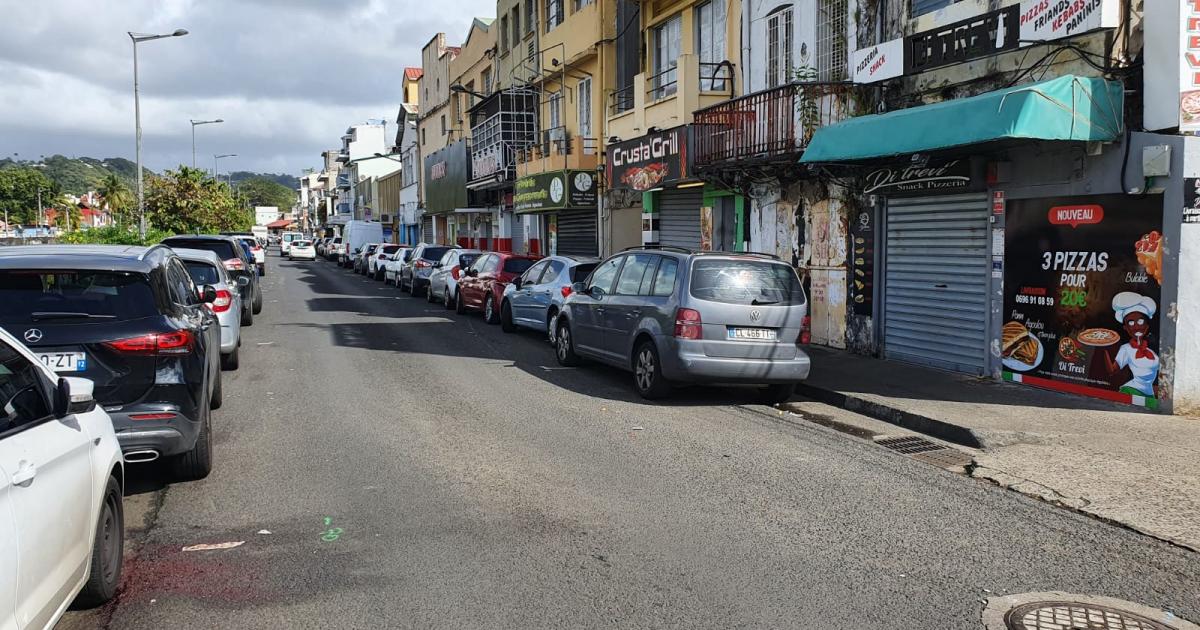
<point x="419" y="469"/>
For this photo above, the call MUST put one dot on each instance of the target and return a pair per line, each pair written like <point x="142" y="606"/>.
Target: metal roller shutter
<point x="679" y="217"/>
<point x="427" y="229"/>
<point x="936" y="291"/>
<point x="577" y="232"/>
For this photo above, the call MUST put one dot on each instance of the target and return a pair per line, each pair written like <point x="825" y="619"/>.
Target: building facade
<point x="433" y="127"/>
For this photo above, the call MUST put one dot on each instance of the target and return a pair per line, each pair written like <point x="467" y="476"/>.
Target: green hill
<point x="80" y="175"/>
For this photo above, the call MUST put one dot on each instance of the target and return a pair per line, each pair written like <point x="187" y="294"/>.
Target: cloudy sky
<point x="287" y="76"/>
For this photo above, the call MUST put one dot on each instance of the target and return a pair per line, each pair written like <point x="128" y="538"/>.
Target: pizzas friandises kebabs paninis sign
<point x="648" y="162"/>
<point x="1082" y="288"/>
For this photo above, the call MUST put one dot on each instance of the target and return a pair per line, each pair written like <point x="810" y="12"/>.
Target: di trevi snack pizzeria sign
<point x="1082" y="286"/>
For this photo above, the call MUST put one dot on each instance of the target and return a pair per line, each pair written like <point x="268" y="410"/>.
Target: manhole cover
<point x="1076" y="616"/>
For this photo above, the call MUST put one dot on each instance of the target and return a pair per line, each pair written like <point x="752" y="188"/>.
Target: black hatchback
<point x="238" y="262"/>
<point x="130" y="320"/>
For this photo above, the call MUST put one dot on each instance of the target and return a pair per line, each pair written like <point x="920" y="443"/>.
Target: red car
<point x="483" y="283"/>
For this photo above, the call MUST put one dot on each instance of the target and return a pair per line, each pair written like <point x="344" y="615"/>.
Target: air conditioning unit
<point x="385" y="218"/>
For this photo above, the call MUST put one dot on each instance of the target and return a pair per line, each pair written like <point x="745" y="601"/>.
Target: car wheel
<point x="506" y="319"/>
<point x="775" y="394"/>
<point x="460" y="307"/>
<point x="262" y="270"/>
<point x="218" y="393"/>
<point x="417" y="289"/>
<point x="107" y="550"/>
<point x="229" y="362"/>
<point x="449" y="299"/>
<point x="647" y="372"/>
<point x="489" y="310"/>
<point x="197" y="463"/>
<point x="258" y="301"/>
<point x="429" y="296"/>
<point x="564" y="346"/>
<point x="247" y="317"/>
<point x="551" y="324"/>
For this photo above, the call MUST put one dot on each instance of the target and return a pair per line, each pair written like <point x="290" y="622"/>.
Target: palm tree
<point x="117" y="196"/>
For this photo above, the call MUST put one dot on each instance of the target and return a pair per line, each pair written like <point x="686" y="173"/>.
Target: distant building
<point x="264" y="215"/>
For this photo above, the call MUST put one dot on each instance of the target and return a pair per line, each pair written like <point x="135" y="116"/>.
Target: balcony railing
<point x="558" y="150"/>
<point x="663" y="84"/>
<point x="716" y="77"/>
<point x="774" y="123"/>
<point x="620" y="101"/>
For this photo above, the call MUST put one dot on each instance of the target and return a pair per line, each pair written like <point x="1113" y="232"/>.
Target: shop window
<point x="831" y="40"/>
<point x="779" y="47"/>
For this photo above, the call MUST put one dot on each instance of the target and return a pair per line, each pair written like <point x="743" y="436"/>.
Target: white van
<point x="355" y="234"/>
<point x="285" y="241"/>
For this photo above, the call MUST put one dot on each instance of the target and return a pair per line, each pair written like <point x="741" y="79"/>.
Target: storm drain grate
<point x="945" y="458"/>
<point x="910" y="445"/>
<point x="1076" y="616"/>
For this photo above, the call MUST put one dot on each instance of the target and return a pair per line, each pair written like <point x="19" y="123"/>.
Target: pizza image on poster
<point x="1082" y="289"/>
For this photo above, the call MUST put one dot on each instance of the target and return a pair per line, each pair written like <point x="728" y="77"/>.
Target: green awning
<point x="1066" y="108"/>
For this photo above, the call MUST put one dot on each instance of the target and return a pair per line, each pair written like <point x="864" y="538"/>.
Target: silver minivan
<point x="672" y="316"/>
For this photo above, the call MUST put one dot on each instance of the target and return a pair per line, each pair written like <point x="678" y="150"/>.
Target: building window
<point x="584" y="95"/>
<point x="486" y="76"/>
<point x="554" y="14"/>
<point x="579" y="4"/>
<point x="555" y="132"/>
<point x="443" y="124"/>
<point x="530" y="16"/>
<point x="422" y="137"/>
<point x="831" y="40"/>
<point x="710" y="39"/>
<point x="779" y="48"/>
<point x="470" y="92"/>
<point x="667" y="37"/>
<point x="504" y="34"/>
<point x="921" y="7"/>
<point x="516" y="24"/>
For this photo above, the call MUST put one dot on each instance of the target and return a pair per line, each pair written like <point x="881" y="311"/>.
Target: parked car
<point x="414" y="275"/>
<point x="285" y="241"/>
<point x="321" y="244"/>
<point x="355" y="235"/>
<point x="482" y="286"/>
<point x="674" y="316"/>
<point x="443" y="279"/>
<point x="236" y="263"/>
<point x="206" y="269"/>
<point x="378" y="257"/>
<point x="391" y="266"/>
<point x="335" y="249"/>
<point x="360" y="259"/>
<point x="131" y="320"/>
<point x="61" y="482"/>
<point x="534" y="299"/>
<point x="302" y="250"/>
<point x="256" y="249"/>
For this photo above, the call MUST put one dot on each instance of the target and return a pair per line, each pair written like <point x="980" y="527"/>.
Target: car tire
<point x="647" y="372"/>
<point x="429" y="296"/>
<point x="775" y="394"/>
<point x="448" y="299"/>
<point x="218" y="394"/>
<point x="417" y="290"/>
<point x="248" y="317"/>
<point x="460" y="307"/>
<point x="196" y="464"/>
<point x="229" y="362"/>
<point x="258" y="302"/>
<point x="551" y="325"/>
<point x="564" y="347"/>
<point x="490" y="314"/>
<point x="262" y="270"/>
<point x="108" y="550"/>
<point x="506" y="318"/>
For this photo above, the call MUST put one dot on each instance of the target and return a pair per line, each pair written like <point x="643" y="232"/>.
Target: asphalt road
<point x="419" y="469"/>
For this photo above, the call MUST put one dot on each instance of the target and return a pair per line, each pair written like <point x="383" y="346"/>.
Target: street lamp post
<point x="199" y="122"/>
<point x="137" y="38"/>
<point x="217" y="157"/>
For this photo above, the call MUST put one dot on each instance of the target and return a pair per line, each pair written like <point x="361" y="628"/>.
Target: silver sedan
<point x="206" y="268"/>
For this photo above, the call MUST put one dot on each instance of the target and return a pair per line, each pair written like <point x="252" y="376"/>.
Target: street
<point x="387" y="463"/>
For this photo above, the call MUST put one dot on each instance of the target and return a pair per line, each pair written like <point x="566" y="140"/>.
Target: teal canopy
<point x="1066" y="108"/>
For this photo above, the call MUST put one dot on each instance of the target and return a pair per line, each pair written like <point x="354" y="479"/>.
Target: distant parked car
<point x="302" y="250"/>
<point x="482" y="287"/>
<point x="534" y="299"/>
<point x="672" y="316"/>
<point x="131" y="320"/>
<point x="361" y="258"/>
<point x="321" y="244"/>
<point x="414" y="275"/>
<point x="237" y="263"/>
<point x="62" y="524"/>
<point x="256" y="248"/>
<point x="285" y="241"/>
<point x="378" y="257"/>
<point x="391" y="266"/>
<point x="206" y="268"/>
<point x="335" y="249"/>
<point x="443" y="280"/>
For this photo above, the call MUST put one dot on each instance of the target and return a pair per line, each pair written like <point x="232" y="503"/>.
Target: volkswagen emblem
<point x="755" y="315"/>
<point x="33" y="335"/>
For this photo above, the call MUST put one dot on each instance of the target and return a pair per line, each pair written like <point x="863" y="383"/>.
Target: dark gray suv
<point x="672" y="316"/>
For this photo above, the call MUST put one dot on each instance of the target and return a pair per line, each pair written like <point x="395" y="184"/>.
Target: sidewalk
<point x="1118" y="463"/>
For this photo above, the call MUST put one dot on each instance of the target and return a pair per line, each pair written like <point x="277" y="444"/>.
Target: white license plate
<point x="752" y="334"/>
<point x="64" y="361"/>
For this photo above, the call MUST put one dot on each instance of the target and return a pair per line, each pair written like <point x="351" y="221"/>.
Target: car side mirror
<point x="580" y="288"/>
<point x="243" y="281"/>
<point x="517" y="282"/>
<point x="208" y="294"/>
<point x="437" y="265"/>
<point x="80" y="394"/>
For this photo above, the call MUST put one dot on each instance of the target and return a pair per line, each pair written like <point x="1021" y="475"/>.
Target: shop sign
<point x="650" y="161"/>
<point x="1191" y="200"/>
<point x="1046" y="20"/>
<point x="981" y="36"/>
<point x="943" y="176"/>
<point x="1082" y="295"/>
<point x="446" y="179"/>
<point x="555" y="190"/>
<point x="862" y="264"/>
<point x="878" y="62"/>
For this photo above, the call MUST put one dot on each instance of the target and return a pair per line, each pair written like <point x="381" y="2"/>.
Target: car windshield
<point x="224" y="249"/>
<point x="202" y="273"/>
<point x="68" y="295"/>
<point x="518" y="265"/>
<point x="746" y="282"/>
<point x="434" y="254"/>
<point x="390" y="249"/>
<point x="465" y="260"/>
<point x="580" y="272"/>
<point x="300" y="243"/>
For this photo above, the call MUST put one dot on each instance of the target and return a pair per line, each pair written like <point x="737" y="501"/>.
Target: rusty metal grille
<point x="1076" y="616"/>
<point x="910" y="445"/>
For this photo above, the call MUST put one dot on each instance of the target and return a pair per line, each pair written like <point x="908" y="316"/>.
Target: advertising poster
<point x="862" y="263"/>
<point x="648" y="162"/>
<point x="1082" y="289"/>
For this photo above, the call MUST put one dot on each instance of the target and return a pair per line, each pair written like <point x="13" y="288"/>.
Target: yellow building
<point x="411" y="86"/>
<point x="433" y="131"/>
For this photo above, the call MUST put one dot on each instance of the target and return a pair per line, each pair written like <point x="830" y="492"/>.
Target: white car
<point x="61" y="482"/>
<point x="285" y="241"/>
<point x="302" y="250"/>
<point x="378" y="257"/>
<point x="443" y="280"/>
<point x="391" y="266"/>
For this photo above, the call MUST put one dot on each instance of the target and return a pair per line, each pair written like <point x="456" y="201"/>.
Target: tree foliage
<point x="118" y="197"/>
<point x="19" y="193"/>
<point x="187" y="201"/>
<point x="114" y="235"/>
<point x="261" y="191"/>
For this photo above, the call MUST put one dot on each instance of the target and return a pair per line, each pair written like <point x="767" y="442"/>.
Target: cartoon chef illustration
<point x="1134" y="312"/>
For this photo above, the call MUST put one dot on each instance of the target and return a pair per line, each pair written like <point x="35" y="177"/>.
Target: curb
<point x="914" y="422"/>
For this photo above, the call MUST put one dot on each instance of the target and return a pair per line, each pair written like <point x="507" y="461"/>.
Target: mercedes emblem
<point x="755" y="315"/>
<point x="33" y="335"/>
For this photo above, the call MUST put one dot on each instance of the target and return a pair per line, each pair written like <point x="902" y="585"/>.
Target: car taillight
<point x="421" y="264"/>
<point x="178" y="342"/>
<point x="455" y="271"/>
<point x="688" y="324"/>
<point x="235" y="264"/>
<point x="805" y="331"/>
<point x="566" y="290"/>
<point x="223" y="302"/>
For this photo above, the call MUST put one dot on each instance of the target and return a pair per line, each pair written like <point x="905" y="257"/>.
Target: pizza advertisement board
<point x="1082" y="288"/>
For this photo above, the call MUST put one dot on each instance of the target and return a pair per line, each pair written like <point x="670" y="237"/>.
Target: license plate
<point x="64" y="361"/>
<point x="752" y="334"/>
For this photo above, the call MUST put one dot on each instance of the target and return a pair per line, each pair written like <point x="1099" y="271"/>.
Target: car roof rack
<point x="666" y="248"/>
<point x="758" y="254"/>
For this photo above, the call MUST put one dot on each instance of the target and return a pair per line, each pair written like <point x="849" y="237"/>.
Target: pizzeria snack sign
<point x="1082" y="285"/>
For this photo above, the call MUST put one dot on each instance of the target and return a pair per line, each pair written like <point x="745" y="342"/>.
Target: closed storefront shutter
<point x="577" y="232"/>
<point x="427" y="229"/>
<point x="679" y="217"/>
<point x="936" y="292"/>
